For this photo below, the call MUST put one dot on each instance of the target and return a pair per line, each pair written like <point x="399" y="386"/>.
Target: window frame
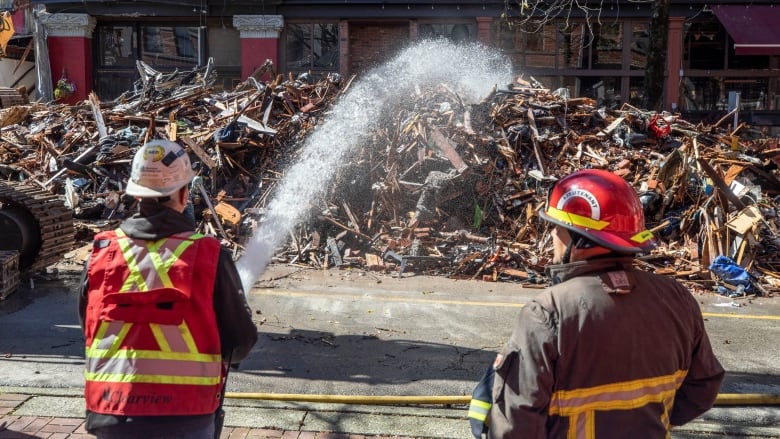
<point x="311" y="67"/>
<point x="558" y="76"/>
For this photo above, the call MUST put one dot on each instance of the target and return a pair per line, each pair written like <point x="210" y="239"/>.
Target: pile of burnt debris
<point x="441" y="188"/>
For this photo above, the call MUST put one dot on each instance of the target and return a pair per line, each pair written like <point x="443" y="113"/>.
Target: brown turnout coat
<point x="608" y="351"/>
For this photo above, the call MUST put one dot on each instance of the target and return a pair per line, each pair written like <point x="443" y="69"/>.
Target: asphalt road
<point x="343" y="332"/>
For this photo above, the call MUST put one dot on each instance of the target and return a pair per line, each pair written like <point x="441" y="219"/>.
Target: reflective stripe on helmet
<point x="643" y="236"/>
<point x="574" y="219"/>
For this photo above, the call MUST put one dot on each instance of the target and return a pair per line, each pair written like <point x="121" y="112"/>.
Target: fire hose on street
<point x="723" y="399"/>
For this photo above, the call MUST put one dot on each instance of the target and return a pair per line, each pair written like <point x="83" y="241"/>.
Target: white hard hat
<point x="160" y="168"/>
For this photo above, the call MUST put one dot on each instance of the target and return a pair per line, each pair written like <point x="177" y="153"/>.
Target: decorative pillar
<point x="69" y="37"/>
<point x="674" y="57"/>
<point x="259" y="41"/>
<point x="483" y="30"/>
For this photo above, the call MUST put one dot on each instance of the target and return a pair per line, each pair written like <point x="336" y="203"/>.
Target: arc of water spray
<point x="471" y="70"/>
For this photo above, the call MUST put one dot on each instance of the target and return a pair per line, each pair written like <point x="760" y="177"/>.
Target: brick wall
<point x="371" y="44"/>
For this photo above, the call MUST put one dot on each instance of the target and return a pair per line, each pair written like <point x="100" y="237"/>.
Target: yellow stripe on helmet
<point x="643" y="236"/>
<point x="574" y="219"/>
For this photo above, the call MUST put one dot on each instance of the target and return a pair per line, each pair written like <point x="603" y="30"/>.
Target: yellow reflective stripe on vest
<point x="581" y="405"/>
<point x="156" y="355"/>
<point x="158" y="263"/>
<point x="148" y="368"/>
<point x="152" y="379"/>
<point x="178" y="352"/>
<point x="174" y="338"/>
<point x="109" y="336"/>
<point x="135" y="277"/>
<point x="161" y="266"/>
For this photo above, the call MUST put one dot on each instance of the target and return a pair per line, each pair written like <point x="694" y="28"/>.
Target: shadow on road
<point x="368" y="359"/>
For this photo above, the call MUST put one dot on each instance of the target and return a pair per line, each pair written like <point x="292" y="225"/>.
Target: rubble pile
<point x="442" y="187"/>
<point x="236" y="138"/>
<point x="449" y="188"/>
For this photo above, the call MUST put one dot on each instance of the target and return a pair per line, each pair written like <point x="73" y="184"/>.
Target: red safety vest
<point x="152" y="344"/>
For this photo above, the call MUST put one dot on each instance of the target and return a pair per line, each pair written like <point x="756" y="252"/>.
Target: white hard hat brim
<point x="137" y="190"/>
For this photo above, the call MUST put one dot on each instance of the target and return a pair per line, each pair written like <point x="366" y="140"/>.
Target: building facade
<point x="719" y="54"/>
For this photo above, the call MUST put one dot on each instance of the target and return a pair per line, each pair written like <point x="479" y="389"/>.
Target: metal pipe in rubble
<point x="723" y="399"/>
<point x="199" y="185"/>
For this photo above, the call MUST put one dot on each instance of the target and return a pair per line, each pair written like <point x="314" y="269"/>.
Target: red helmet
<point x="602" y="207"/>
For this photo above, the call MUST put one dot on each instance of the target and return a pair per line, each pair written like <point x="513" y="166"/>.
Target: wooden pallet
<point x="9" y="272"/>
<point x="10" y="97"/>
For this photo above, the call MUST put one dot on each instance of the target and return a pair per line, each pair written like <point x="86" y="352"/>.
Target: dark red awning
<point x="754" y="28"/>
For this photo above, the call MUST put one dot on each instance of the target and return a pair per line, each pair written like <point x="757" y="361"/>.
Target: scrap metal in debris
<point x="442" y="187"/>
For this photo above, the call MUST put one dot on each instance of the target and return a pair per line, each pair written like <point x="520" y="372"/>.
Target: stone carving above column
<point x="68" y="25"/>
<point x="258" y="26"/>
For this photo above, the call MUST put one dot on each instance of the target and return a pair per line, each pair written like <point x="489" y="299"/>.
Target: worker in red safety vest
<point x="162" y="310"/>
<point x="608" y="351"/>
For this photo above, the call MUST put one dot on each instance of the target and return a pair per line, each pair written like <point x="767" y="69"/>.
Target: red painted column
<point x="674" y="63"/>
<point x="18" y="18"/>
<point x="259" y="41"/>
<point x="70" y="50"/>
<point x="483" y="30"/>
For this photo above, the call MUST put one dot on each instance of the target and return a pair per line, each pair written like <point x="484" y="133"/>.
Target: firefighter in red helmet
<point x="608" y="351"/>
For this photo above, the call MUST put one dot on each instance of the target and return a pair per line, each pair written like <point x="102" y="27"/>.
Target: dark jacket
<point x="237" y="332"/>
<point x="608" y="349"/>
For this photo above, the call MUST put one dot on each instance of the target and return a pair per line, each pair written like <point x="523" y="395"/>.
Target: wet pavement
<point x="343" y="332"/>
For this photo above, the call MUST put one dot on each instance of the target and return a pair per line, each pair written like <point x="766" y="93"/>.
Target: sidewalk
<point x="34" y="412"/>
<point x="24" y="416"/>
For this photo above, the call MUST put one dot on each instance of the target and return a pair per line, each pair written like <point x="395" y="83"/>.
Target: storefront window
<point x="312" y="46"/>
<point x="455" y="32"/>
<point x="640" y="45"/>
<point x="712" y="93"/>
<point x="541" y="46"/>
<point x="575" y="55"/>
<point x="605" y="90"/>
<point x="715" y="73"/>
<point x="117" y="46"/>
<point x="509" y="39"/>
<point x="746" y="61"/>
<point x="571" y="46"/>
<point x="170" y="46"/>
<point x="225" y="48"/>
<point x="705" y="45"/>
<point x="186" y="42"/>
<point x="608" y="50"/>
<point x="752" y="92"/>
<point x="636" y="91"/>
